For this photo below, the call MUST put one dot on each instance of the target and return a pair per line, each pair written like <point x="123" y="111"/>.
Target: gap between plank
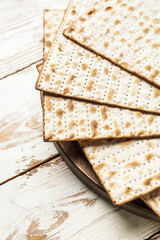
<point x="155" y="236"/>
<point x="19" y="70"/>
<point x="31" y="168"/>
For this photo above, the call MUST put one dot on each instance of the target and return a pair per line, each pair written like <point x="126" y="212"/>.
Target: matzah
<point x="66" y="119"/>
<point x="127" y="170"/>
<point x="51" y="22"/>
<point x="153" y="201"/>
<point x="125" y="32"/>
<point x="73" y="71"/>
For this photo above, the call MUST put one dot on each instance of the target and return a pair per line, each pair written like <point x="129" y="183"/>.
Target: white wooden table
<point x="40" y="198"/>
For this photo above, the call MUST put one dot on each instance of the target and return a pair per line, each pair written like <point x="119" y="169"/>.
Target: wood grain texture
<point x="53" y="204"/>
<point x="21" y="140"/>
<point x="21" y="32"/>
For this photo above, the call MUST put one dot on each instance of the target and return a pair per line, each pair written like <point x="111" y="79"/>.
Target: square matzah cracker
<point x="73" y="71"/>
<point x="127" y="170"/>
<point x="67" y="119"/>
<point x="125" y="32"/>
<point x="153" y="201"/>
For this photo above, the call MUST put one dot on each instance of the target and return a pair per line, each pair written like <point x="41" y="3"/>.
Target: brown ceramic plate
<point x="77" y="162"/>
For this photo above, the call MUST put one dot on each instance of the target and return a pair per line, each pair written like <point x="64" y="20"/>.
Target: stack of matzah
<point x="100" y="82"/>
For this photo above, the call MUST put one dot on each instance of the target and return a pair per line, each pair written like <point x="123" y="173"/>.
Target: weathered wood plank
<point x="21" y="140"/>
<point x="21" y="32"/>
<point x="51" y="203"/>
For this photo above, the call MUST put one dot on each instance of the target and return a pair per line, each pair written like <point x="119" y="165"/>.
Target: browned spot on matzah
<point x="147" y="182"/>
<point x="150" y="120"/>
<point x="154" y="74"/>
<point x="157" y="177"/>
<point x="106" y="127"/>
<point x="149" y="156"/>
<point x="112" y="184"/>
<point x="106" y="71"/>
<point x="84" y="39"/>
<point x="59" y="123"/>
<point x="124" y="64"/>
<point x="114" y="77"/>
<point x="70" y="29"/>
<point x="73" y="12"/>
<point x="92" y="109"/>
<point x="72" y="123"/>
<point x="149" y="144"/>
<point x="112" y="173"/>
<point x="71" y="136"/>
<point x="52" y="67"/>
<point x="87" y="55"/>
<point x="155" y="45"/>
<point x="126" y="144"/>
<point x="100" y="166"/>
<point x="138" y="38"/>
<point x="94" y="72"/>
<point x="92" y="157"/>
<point x="148" y="67"/>
<point x="47" y="35"/>
<point x="123" y="40"/>
<point x="116" y="33"/>
<point x="66" y="90"/>
<point x="128" y="190"/>
<point x="116" y="22"/>
<point x="59" y="113"/>
<point x="49" y="104"/>
<point x="107" y="31"/>
<point x="94" y="149"/>
<point x="47" y="77"/>
<point x="104" y="114"/>
<point x="48" y="43"/>
<point x="141" y="133"/>
<point x="70" y="105"/>
<point x="91" y="12"/>
<point x="131" y="8"/>
<point x="81" y="30"/>
<point x="82" y="19"/>
<point x="57" y="82"/>
<point x="127" y="124"/>
<point x="89" y="88"/>
<point x="157" y="30"/>
<point x="74" y="64"/>
<point x="71" y="78"/>
<point x="60" y="131"/>
<point x="108" y="8"/>
<point x="82" y="122"/>
<point x="106" y="44"/>
<point x="137" y="81"/>
<point x="84" y="66"/>
<point x="117" y="132"/>
<point x="110" y="94"/>
<point x="156" y="20"/>
<point x="146" y="30"/>
<point x="138" y="114"/>
<point x="94" y="126"/>
<point x="132" y="164"/>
